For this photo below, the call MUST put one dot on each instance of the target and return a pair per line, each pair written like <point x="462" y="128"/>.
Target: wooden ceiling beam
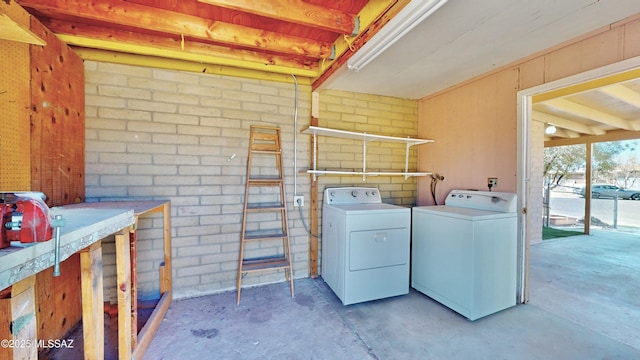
<point x="589" y="113"/>
<point x="622" y="93"/>
<point x="149" y="51"/>
<point x="563" y="123"/>
<point x="109" y="39"/>
<point x="150" y="61"/>
<point x="562" y="133"/>
<point x="373" y="17"/>
<point x="149" y="18"/>
<point x="294" y="11"/>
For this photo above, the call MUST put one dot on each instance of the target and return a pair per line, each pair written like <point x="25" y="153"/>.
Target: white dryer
<point x="464" y="252"/>
<point x="365" y="245"/>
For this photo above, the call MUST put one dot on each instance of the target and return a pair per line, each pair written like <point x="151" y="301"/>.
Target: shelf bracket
<point x="406" y="161"/>
<point x="315" y="156"/>
<point x="364" y="159"/>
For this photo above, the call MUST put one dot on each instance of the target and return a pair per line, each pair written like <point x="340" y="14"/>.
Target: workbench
<point x="83" y="232"/>
<point x="86" y="225"/>
<point x="128" y="335"/>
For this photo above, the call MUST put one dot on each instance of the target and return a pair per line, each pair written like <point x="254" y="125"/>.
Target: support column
<point x="123" y="279"/>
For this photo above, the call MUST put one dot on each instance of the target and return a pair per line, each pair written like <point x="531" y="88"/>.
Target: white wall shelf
<point x="365" y="138"/>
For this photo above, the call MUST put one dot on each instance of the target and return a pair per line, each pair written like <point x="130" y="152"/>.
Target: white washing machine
<point x="365" y="245"/>
<point x="464" y="253"/>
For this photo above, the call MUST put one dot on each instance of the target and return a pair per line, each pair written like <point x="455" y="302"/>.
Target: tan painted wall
<point x="474" y="123"/>
<point x="474" y="136"/>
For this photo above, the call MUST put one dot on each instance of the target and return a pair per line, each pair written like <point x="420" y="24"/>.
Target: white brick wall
<point x="377" y="115"/>
<point x="169" y="135"/>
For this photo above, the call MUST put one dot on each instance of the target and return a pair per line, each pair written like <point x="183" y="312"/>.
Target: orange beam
<point x="295" y="11"/>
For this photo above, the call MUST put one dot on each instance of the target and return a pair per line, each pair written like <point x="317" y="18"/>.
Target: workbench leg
<point x="123" y="275"/>
<point x="19" y="312"/>
<point x="92" y="301"/>
<point x="133" y="252"/>
<point x="165" y="279"/>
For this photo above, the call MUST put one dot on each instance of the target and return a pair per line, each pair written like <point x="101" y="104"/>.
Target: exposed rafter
<point x="160" y="20"/>
<point x="589" y="113"/>
<point x="566" y="123"/>
<point x="150" y="45"/>
<point x="295" y="11"/>
<point x="563" y="133"/>
<point x="622" y="93"/>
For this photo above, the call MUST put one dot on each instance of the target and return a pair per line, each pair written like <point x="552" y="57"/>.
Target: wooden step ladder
<point x="264" y="200"/>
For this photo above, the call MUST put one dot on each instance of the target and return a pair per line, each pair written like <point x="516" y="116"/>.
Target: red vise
<point x="25" y="218"/>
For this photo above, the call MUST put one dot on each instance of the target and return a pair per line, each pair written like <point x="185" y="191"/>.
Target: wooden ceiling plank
<point x="372" y="17"/>
<point x="589" y="113"/>
<point x="587" y="86"/>
<point x="563" y="123"/>
<point x="150" y="18"/>
<point x="184" y="65"/>
<point x="622" y="93"/>
<point x="294" y="11"/>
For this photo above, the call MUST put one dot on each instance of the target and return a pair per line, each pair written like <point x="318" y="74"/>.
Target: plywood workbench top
<point x="84" y="226"/>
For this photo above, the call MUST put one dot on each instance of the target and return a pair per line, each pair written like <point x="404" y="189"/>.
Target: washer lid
<point x="371" y="209"/>
<point x="462" y="213"/>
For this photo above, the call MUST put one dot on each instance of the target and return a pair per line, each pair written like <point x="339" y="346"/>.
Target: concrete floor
<point x="584" y="304"/>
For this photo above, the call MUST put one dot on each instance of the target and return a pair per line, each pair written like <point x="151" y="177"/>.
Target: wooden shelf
<point x="316" y="131"/>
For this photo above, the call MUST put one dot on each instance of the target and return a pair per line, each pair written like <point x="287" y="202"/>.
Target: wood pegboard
<point x="14" y="105"/>
<point x="14" y="116"/>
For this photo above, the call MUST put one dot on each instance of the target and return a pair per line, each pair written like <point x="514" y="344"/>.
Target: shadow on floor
<point x="574" y="313"/>
<point x="584" y="304"/>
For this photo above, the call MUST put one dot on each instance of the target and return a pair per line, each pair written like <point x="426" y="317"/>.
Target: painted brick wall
<point x="183" y="137"/>
<point x="160" y="134"/>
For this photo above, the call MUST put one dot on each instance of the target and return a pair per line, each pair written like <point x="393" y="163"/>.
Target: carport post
<point x="615" y="211"/>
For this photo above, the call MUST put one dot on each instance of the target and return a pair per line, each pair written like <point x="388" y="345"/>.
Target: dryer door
<point x="378" y="248"/>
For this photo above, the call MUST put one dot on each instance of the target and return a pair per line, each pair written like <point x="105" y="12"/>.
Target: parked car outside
<point x="611" y="191"/>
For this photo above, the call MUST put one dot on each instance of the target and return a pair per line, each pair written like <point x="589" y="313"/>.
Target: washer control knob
<point x="354" y="193"/>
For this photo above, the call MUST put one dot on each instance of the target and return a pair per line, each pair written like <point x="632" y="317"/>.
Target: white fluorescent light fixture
<point x="410" y="16"/>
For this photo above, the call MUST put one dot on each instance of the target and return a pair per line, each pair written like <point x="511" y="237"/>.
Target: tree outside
<point x="616" y="162"/>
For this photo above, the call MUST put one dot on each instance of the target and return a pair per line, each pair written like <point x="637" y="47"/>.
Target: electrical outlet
<point x="492" y="182"/>
<point x="298" y="201"/>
